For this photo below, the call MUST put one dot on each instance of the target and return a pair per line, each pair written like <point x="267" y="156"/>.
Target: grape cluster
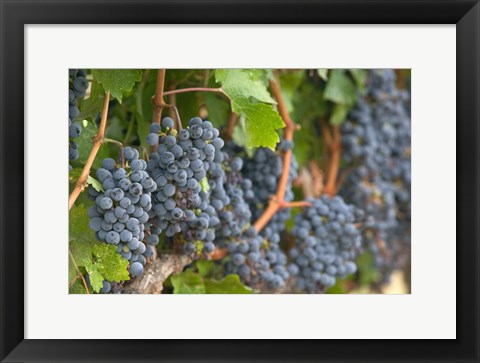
<point x="264" y="169"/>
<point x="179" y="168"/>
<point x="263" y="173"/>
<point x="230" y="193"/>
<point x="121" y="213"/>
<point x="78" y="86"/>
<point x="327" y="243"/>
<point x="376" y="146"/>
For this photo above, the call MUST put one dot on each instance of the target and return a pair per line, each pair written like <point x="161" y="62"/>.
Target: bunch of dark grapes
<point x="179" y="168"/>
<point x="77" y="88"/>
<point x="121" y="212"/>
<point x="376" y="146"/>
<point x="264" y="169"/>
<point x="327" y="243"/>
<point x="258" y="258"/>
<point x="230" y="193"/>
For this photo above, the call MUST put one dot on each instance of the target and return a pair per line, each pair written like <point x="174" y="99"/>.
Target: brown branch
<point x="231" y="125"/>
<point x="197" y="89"/>
<point x="120" y="145"/>
<point x="158" y="102"/>
<point x="97" y="142"/>
<point x="334" y="165"/>
<point x="155" y="274"/>
<point x="79" y="272"/>
<point x="278" y="200"/>
<point x="299" y="204"/>
<point x="218" y="253"/>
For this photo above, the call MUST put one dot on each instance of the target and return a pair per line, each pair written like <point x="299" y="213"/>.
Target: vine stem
<point x="158" y="102"/>
<point x="97" y="142"/>
<point x="231" y="125"/>
<point x="335" y="147"/>
<point x="197" y="89"/>
<point x="79" y="272"/>
<point x="278" y="201"/>
<point x="120" y="145"/>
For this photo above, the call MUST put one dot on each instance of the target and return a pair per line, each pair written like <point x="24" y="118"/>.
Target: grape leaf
<point x="111" y="265"/>
<point x="231" y="284"/>
<point x="261" y="123"/>
<point x="85" y="144"/>
<point x="90" y="107"/>
<point x="77" y="288"/>
<point x="217" y="107"/>
<point x="308" y="104"/>
<point x="188" y="105"/>
<point x="249" y="96"/>
<point x="96" y="278"/>
<point x="205" y="267"/>
<point x="79" y="230"/>
<point x="81" y="239"/>
<point x="117" y="81"/>
<point x="290" y="82"/>
<point x="95" y="184"/>
<point x="245" y="83"/>
<point x="339" y="114"/>
<point x="360" y="77"/>
<point x="323" y="73"/>
<point x="187" y="282"/>
<point x="340" y="88"/>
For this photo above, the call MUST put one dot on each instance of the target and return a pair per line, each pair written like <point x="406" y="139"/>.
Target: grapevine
<point x="223" y="202"/>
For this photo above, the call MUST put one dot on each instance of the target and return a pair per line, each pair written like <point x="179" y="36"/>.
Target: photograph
<point x="239" y="181"/>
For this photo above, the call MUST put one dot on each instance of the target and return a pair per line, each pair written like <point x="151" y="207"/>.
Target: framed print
<point x="239" y="181"/>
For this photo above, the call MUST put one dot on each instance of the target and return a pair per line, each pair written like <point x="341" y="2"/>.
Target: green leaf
<point x="231" y="284"/>
<point x="81" y="238"/>
<point x="261" y="123"/>
<point x="338" y="288"/>
<point x="367" y="271"/>
<point x="95" y="184"/>
<point x="249" y="96"/>
<point x="77" y="288"/>
<point x="308" y="145"/>
<point x="96" y="278"/>
<point x="85" y="144"/>
<point x="218" y="108"/>
<point x="78" y="226"/>
<point x="187" y="283"/>
<point x="110" y="264"/>
<point x="90" y="107"/>
<point x="245" y="83"/>
<point x="187" y="105"/>
<point x="340" y="88"/>
<point x="205" y="267"/>
<point x="204" y="185"/>
<point x="360" y="77"/>
<point x="308" y="104"/>
<point x="290" y="82"/>
<point x="117" y="81"/>
<point x="339" y="114"/>
<point x="323" y="73"/>
<point x="73" y="176"/>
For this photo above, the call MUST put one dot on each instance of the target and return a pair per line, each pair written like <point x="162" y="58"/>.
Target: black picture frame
<point x="15" y="14"/>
